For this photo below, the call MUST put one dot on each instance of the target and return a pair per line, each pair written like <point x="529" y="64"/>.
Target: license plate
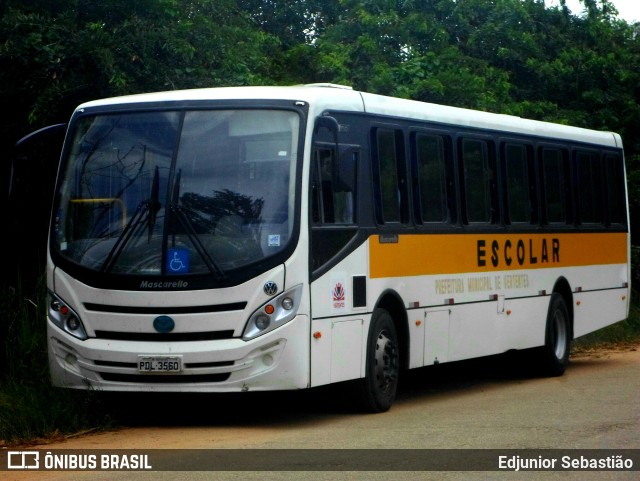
<point x="159" y="364"/>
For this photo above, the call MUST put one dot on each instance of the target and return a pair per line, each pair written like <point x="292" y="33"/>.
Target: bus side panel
<point x="476" y="330"/>
<point x="340" y="322"/>
<point x="336" y="350"/>
<point x="418" y="335"/>
<point x="483" y="329"/>
<point x="525" y="321"/>
<point x="436" y="341"/>
<point x="594" y="310"/>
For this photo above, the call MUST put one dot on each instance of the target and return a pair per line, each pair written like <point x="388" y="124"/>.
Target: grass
<point x="31" y="409"/>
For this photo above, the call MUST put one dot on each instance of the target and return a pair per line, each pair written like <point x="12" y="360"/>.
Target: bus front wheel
<point x="554" y="355"/>
<point x="378" y="387"/>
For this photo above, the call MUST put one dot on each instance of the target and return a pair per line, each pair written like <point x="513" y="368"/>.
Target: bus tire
<point x="554" y="355"/>
<point x="378" y="387"/>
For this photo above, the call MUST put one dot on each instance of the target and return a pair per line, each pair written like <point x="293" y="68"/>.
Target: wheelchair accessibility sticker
<point x="177" y="261"/>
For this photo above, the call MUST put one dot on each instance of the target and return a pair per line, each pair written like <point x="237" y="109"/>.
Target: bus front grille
<point x="165" y="337"/>
<point x="164" y="378"/>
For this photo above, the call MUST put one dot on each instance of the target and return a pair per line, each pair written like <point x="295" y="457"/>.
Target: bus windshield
<point x="177" y="193"/>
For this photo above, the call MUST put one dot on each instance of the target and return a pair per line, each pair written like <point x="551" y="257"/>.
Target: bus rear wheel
<point x="378" y="387"/>
<point x="554" y="355"/>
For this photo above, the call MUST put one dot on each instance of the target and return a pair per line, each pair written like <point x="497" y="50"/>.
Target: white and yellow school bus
<point x="273" y="238"/>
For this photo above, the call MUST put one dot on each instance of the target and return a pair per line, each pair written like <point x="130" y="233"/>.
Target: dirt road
<point x="476" y="404"/>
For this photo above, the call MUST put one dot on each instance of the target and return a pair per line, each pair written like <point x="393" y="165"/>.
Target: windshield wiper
<point x="213" y="267"/>
<point x="138" y="219"/>
<point x="154" y="202"/>
<point x="178" y="213"/>
<point x="145" y="213"/>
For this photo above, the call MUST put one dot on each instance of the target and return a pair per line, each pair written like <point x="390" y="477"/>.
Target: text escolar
<point x="520" y="252"/>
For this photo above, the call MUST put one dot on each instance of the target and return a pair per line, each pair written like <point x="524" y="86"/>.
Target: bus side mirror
<point x="28" y="185"/>
<point x="38" y="151"/>
<point x="343" y="164"/>
<point x="329" y="123"/>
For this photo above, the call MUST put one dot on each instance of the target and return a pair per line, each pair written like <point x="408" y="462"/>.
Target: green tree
<point x="53" y="55"/>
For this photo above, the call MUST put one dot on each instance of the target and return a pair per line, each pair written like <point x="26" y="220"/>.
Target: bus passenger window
<point x="616" y="203"/>
<point x="432" y="187"/>
<point x="554" y="183"/>
<point x="589" y="188"/>
<point x="391" y="189"/>
<point x="479" y="179"/>
<point x="517" y="180"/>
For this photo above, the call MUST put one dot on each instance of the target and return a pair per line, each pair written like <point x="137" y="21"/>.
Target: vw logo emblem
<point x="270" y="288"/>
<point x="163" y="324"/>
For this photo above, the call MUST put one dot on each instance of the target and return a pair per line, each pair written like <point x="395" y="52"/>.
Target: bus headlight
<point x="262" y="322"/>
<point x="273" y="314"/>
<point x="64" y="317"/>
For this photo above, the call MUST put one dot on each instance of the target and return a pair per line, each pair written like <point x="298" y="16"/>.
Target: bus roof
<point x="326" y="96"/>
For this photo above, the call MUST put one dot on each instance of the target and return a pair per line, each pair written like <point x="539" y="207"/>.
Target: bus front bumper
<point x="277" y="360"/>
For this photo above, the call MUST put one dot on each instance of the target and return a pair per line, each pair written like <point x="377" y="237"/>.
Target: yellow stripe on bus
<point x="427" y="254"/>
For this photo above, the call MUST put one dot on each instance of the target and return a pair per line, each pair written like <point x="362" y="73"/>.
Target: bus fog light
<point x="71" y="359"/>
<point x="262" y="322"/>
<point x="267" y="359"/>
<point x="287" y="303"/>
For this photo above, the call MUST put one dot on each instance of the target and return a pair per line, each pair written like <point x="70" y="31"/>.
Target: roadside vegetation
<point x="30" y="408"/>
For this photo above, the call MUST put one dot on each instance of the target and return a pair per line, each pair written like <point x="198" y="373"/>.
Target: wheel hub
<point x="386" y="358"/>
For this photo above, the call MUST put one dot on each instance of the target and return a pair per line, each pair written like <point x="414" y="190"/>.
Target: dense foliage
<point x="508" y="56"/>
